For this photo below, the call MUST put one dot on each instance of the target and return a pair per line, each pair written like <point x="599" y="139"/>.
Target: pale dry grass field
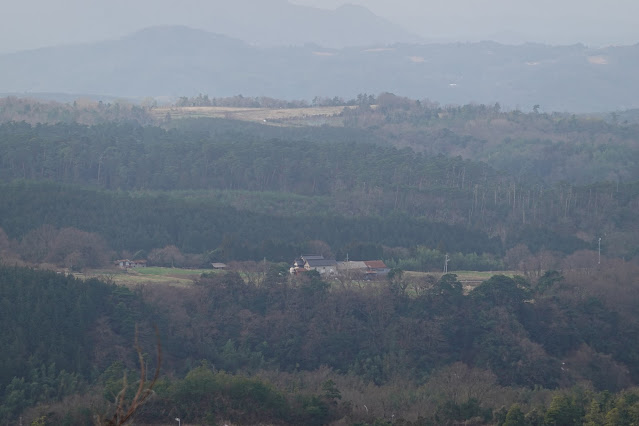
<point x="152" y="275"/>
<point x="185" y="277"/>
<point x="250" y="114"/>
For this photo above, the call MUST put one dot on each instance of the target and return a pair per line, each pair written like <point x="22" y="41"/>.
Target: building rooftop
<point x="351" y="265"/>
<point x="376" y="264"/>
<point x="313" y="263"/>
<point x="312" y="257"/>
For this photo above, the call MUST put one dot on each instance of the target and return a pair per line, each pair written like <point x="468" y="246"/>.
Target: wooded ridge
<point x="552" y="198"/>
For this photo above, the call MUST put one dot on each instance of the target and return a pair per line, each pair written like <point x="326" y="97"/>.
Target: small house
<point x="141" y="263"/>
<point x="126" y="263"/>
<point x="377" y="267"/>
<point x="323" y="266"/>
<point x="217" y="265"/>
<point x="313" y="262"/>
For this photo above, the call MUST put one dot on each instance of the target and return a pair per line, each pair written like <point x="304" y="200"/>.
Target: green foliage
<point x="425" y="259"/>
<point x="501" y="290"/>
<point x="563" y="411"/>
<point x="331" y="393"/>
<point x="48" y="354"/>
<point x="338" y="170"/>
<point x="313" y="410"/>
<point x="201" y="225"/>
<point x="376" y="333"/>
<point x="211" y="396"/>
<point x="448" y="289"/>
<point x="127" y="156"/>
<point x="239" y="196"/>
<point x="42" y="386"/>
<point x="451" y="412"/>
<point x="40" y="421"/>
<point x="515" y="417"/>
<point x="538" y="238"/>
<point x="549" y="279"/>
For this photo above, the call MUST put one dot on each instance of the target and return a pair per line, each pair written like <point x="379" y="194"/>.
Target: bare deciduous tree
<point x="167" y="256"/>
<point x="124" y="411"/>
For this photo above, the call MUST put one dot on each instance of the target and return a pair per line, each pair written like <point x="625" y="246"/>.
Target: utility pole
<point x="446" y="259"/>
<point x="599" y="261"/>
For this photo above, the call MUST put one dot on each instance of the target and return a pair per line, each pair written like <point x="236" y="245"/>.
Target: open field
<point x="151" y="275"/>
<point x="184" y="277"/>
<point x="176" y="272"/>
<point x="305" y="116"/>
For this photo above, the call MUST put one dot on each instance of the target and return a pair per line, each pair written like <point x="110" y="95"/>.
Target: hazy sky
<point x="38" y="23"/>
<point x="598" y="22"/>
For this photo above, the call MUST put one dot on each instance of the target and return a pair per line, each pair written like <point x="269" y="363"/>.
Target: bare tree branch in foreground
<point x="122" y="413"/>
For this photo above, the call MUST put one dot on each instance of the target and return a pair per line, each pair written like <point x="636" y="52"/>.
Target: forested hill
<point x="342" y="176"/>
<point x="203" y="224"/>
<point x="58" y="332"/>
<point x="302" y="351"/>
<point x="535" y="147"/>
<point x="394" y="182"/>
<point x="132" y="157"/>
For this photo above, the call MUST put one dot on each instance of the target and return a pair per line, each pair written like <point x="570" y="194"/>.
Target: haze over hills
<point x="41" y="23"/>
<point x="547" y="201"/>
<point x="257" y="22"/>
<point x="180" y="61"/>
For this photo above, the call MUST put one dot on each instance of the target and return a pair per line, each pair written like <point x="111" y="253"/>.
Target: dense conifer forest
<point x="295" y="180"/>
<point x="546" y="202"/>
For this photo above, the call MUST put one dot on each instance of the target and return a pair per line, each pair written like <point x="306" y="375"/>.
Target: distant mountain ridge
<point x="265" y="23"/>
<point x="180" y="61"/>
<point x="348" y="25"/>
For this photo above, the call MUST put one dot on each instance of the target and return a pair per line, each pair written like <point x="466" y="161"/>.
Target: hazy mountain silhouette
<point x="178" y="61"/>
<point x="257" y="22"/>
<point x="285" y="24"/>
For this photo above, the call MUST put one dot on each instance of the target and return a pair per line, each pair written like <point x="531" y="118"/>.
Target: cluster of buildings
<point x="368" y="269"/>
<point x="126" y="263"/>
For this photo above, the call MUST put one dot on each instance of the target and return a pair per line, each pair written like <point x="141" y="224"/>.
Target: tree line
<point x="509" y="344"/>
<point x="53" y="326"/>
<point x="347" y="178"/>
<point x="196" y="225"/>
